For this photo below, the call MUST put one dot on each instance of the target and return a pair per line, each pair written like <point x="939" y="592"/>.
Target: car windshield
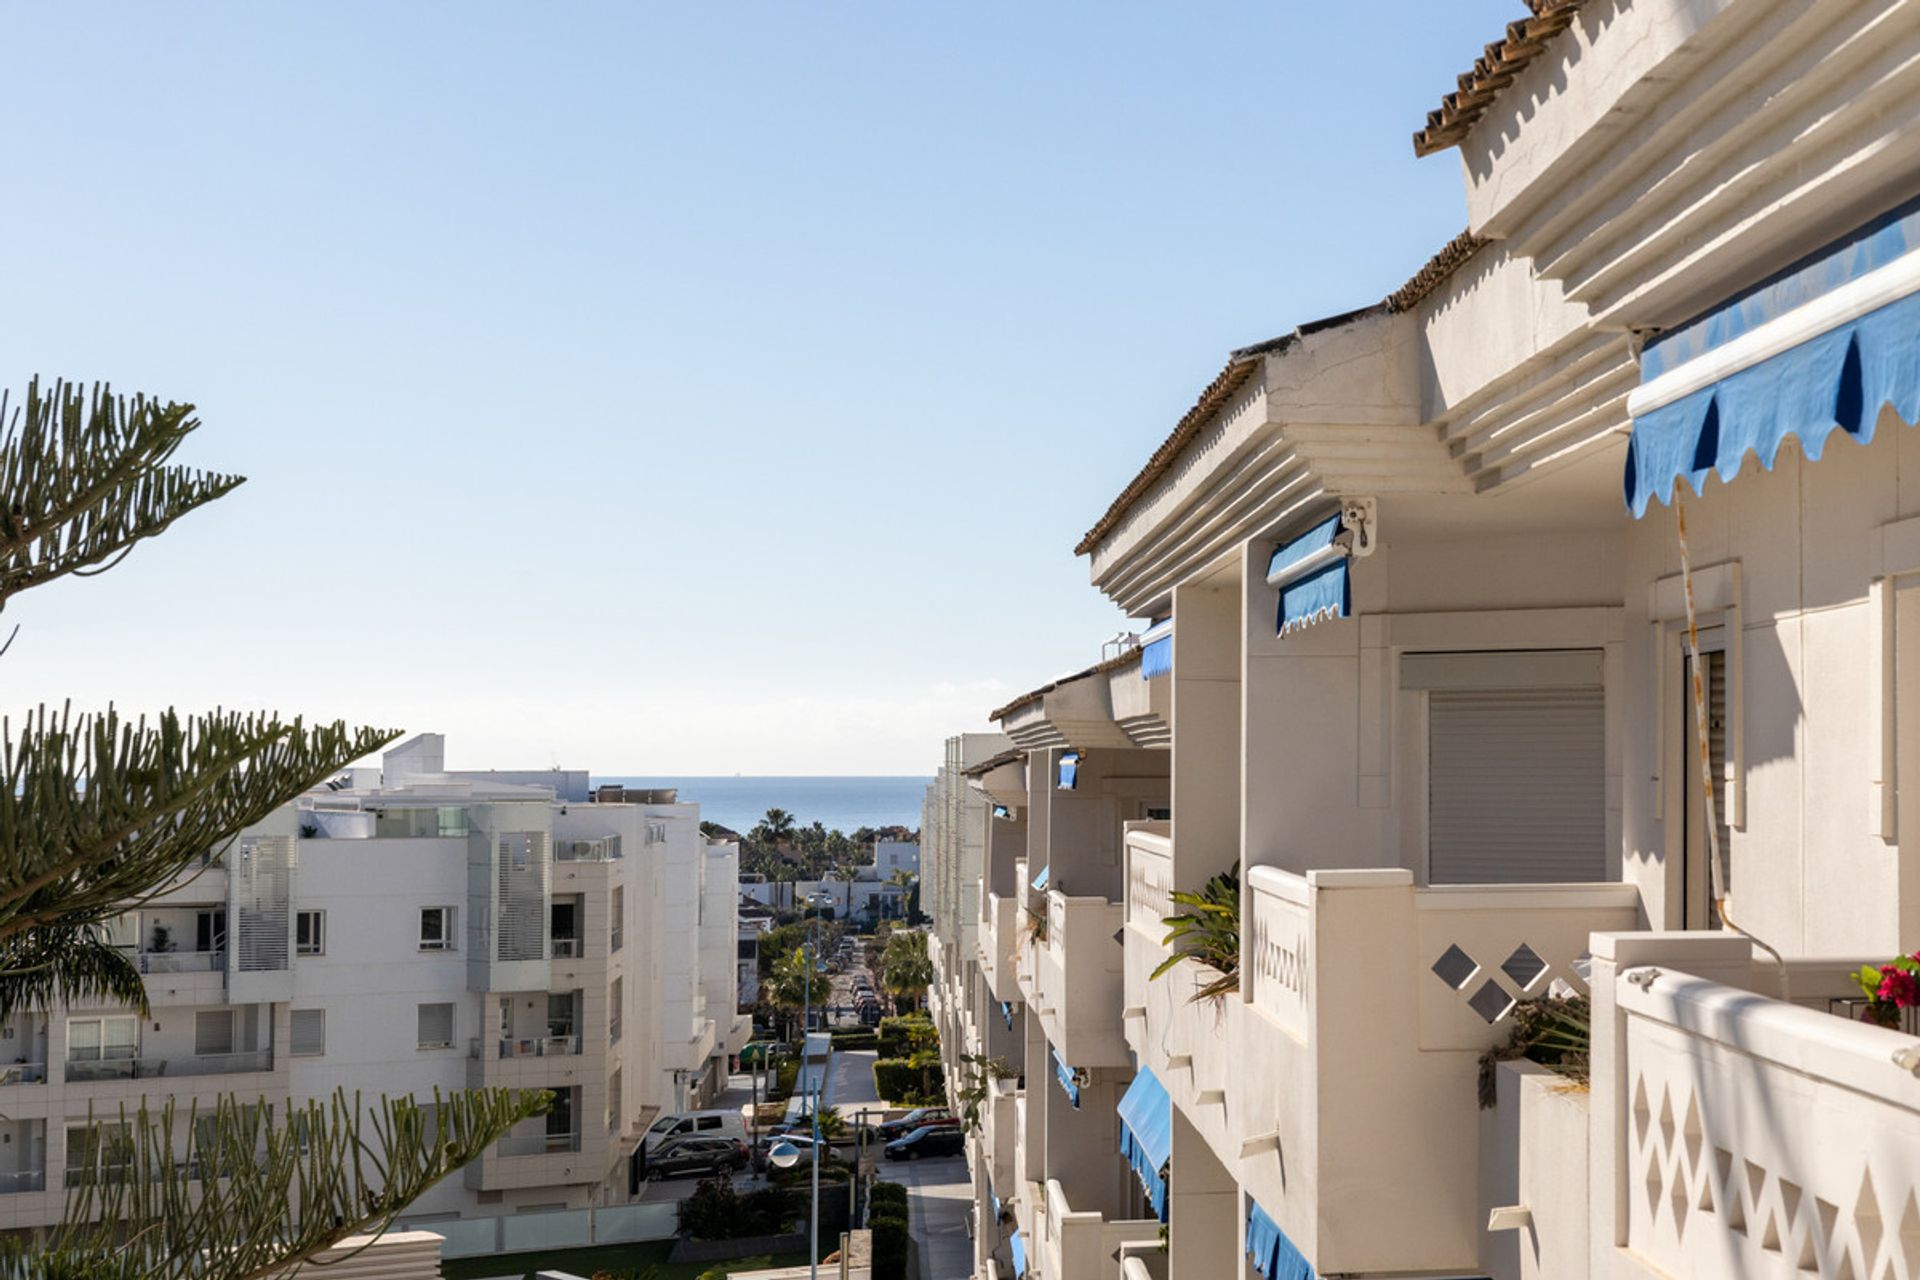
<point x="919" y="1133"/>
<point x="663" y="1124"/>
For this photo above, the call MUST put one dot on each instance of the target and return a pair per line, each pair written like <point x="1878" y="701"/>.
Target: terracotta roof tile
<point x="1012" y="755"/>
<point x="1034" y="695"/>
<point x="1493" y="71"/>
<point x="1452" y="256"/>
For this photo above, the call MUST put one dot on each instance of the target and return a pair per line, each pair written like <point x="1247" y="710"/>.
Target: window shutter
<point x="213" y="1033"/>
<point x="436" y="1026"/>
<point x="309" y="1031"/>
<point x="1516" y="786"/>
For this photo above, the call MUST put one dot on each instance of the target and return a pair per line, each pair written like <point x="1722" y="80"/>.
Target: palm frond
<point x="70" y="963"/>
<point x="1207" y="931"/>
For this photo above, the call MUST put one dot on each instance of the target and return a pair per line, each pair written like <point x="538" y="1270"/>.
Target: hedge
<point x="855" y="1040"/>
<point x="891" y="1245"/>
<point x="898" y="1080"/>
<point x="896" y="1035"/>
<point x="885" y="1195"/>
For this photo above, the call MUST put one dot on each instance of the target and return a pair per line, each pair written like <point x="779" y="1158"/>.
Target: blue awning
<point x="1064" y="1074"/>
<point x="1001" y="811"/>
<point x="1311" y="573"/>
<point x="1146" y="1135"/>
<point x="1817" y="348"/>
<point x="1019" y="1248"/>
<point x="1273" y="1254"/>
<point x="1006" y="1013"/>
<point x="1069" y="770"/>
<point x="1156" y="650"/>
<point x="1040" y="881"/>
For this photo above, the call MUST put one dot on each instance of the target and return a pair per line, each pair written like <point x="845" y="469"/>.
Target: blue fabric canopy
<point x="1838" y="378"/>
<point x="1040" y="881"/>
<point x="1146" y="1135"/>
<point x="1064" y="1074"/>
<point x="1006" y="1013"/>
<point x="1312" y="587"/>
<point x="1156" y="650"/>
<point x="1069" y="769"/>
<point x="1273" y="1254"/>
<point x="1019" y="1248"/>
<point x="1001" y="811"/>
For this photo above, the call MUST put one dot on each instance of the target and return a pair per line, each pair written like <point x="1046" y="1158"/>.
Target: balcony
<point x="1080" y="981"/>
<point x="538" y="1144"/>
<point x="566" y="949"/>
<point x="1365" y="1005"/>
<point x="525" y="1047"/>
<point x="999" y="935"/>
<point x="1750" y="1137"/>
<point x="86" y="1071"/>
<point x="23" y="1073"/>
<point x="605" y="849"/>
<point x="182" y="961"/>
<point x="22" y="1180"/>
<point x="1029" y="908"/>
<point x="1000" y="1130"/>
<point x="1083" y="1246"/>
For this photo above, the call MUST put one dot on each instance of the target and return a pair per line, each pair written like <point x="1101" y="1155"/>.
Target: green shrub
<point x="716" y="1211"/>
<point x="915" y="1084"/>
<point x="902" y="1035"/>
<point x="888" y="1194"/>
<point x="890" y="1247"/>
<point x="855" y="1040"/>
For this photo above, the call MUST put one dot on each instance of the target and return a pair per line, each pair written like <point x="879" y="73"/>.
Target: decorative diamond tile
<point x="1491" y="1002"/>
<point x="1456" y="968"/>
<point x="1524" y="966"/>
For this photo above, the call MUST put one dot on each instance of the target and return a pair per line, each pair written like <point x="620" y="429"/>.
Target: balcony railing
<point x="1000" y="1130"/>
<point x="23" y="1073"/>
<point x="22" y="1180"/>
<point x="605" y="849"/>
<point x="1080" y="981"/>
<point x="86" y="1070"/>
<point x="998" y="938"/>
<point x="182" y="961"/>
<point x="566" y="948"/>
<point x="527" y="1047"/>
<point x="538" y="1144"/>
<point x="1083" y="1244"/>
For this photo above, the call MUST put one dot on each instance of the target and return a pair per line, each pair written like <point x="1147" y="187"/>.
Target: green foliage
<point x="891" y="1246"/>
<point x="220" y="1212"/>
<point x="717" y="1211"/>
<point x="1554" y="1032"/>
<point x="918" y="1081"/>
<point x="887" y="1195"/>
<point x="861" y="1039"/>
<point x="906" y="971"/>
<point x="976" y="1071"/>
<point x="796" y="982"/>
<point x="1208" y="931"/>
<point x="901" y="1036"/>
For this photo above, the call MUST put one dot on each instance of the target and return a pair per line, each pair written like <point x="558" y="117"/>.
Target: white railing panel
<point x="1279" y="966"/>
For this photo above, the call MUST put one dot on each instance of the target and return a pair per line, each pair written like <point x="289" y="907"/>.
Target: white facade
<point x="1476" y="782"/>
<point x="418" y="932"/>
<point x="869" y="893"/>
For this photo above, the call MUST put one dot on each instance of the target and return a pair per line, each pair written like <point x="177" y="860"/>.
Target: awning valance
<point x="1311" y="573"/>
<point x="1821" y="346"/>
<point x="1274" y="1256"/>
<point x="1156" y="650"/>
<point x="1146" y="1135"/>
<point x="1040" y="880"/>
<point x="1069" y="774"/>
<point x="1065" y="1075"/>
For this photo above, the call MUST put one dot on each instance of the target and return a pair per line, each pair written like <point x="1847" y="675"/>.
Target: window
<point x="436" y="928"/>
<point x="213" y="1033"/>
<point x="560" y="1115"/>
<point x="615" y="1000"/>
<point x="210" y="930"/>
<point x="559" y="1014"/>
<point x="310" y="933"/>
<point x="97" y="1039"/>
<point x="1516" y="765"/>
<point x="101" y="1148"/>
<point x="308" y="1032"/>
<point x="436" y="1026"/>
<point x="617" y="937"/>
<point x="614" y="1112"/>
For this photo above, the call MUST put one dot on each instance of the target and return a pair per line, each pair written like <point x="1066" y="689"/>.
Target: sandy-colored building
<point x="1414" y="659"/>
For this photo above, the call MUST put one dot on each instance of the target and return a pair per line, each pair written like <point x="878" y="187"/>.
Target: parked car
<point x="695" y="1156"/>
<point x="928" y="1140"/>
<point x="720" y="1123"/>
<point x="920" y="1118"/>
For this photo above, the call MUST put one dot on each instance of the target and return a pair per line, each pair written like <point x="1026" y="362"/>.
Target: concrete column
<point x="1206" y="732"/>
<point x="1203" y="1204"/>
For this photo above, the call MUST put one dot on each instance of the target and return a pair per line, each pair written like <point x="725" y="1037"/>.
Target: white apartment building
<point x="403" y="930"/>
<point x="869" y="893"/>
<point x="1414" y="659"/>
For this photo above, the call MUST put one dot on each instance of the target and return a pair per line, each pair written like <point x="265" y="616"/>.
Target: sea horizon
<point x="843" y="802"/>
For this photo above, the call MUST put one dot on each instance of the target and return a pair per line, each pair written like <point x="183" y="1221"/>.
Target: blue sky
<point x="704" y="388"/>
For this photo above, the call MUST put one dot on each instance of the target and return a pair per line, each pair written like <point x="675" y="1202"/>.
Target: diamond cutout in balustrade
<point x="1866" y="1220"/>
<point x="1678" y="1199"/>
<point x="1642" y="1115"/>
<point x="1666" y="1122"/>
<point x="1456" y="968"/>
<point x="1691" y="1131"/>
<point x="1909" y="1239"/>
<point x="1524" y="966"/>
<point x="1491" y="1002"/>
<point x="1653" y="1186"/>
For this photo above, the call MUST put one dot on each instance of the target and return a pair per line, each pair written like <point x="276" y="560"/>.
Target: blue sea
<point x="845" y="804"/>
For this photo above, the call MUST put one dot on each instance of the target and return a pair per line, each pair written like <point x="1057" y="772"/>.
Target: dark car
<point x="928" y="1140"/>
<point x="695" y="1156"/>
<point x="938" y="1117"/>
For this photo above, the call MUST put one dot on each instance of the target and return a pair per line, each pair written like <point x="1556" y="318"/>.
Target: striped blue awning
<point x="1311" y="574"/>
<point x="1069" y="770"/>
<point x="1146" y="1135"/>
<point x="1156" y="650"/>
<point x="1273" y="1254"/>
<point x="1817" y="348"/>
<point x="1040" y="881"/>
<point x="1064" y="1074"/>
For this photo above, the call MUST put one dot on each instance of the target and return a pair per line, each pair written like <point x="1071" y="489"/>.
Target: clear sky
<point x="695" y="388"/>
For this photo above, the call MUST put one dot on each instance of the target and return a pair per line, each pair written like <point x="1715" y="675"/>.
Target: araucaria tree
<point x="98" y="814"/>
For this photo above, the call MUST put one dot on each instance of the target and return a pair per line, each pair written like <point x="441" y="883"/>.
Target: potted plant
<point x="1207" y="931"/>
<point x="1889" y="988"/>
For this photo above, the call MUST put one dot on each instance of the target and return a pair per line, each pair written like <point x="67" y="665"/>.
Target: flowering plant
<point x="1892" y="987"/>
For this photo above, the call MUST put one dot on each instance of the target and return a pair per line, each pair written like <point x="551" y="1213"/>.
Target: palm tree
<point x="905" y="969"/>
<point x="845" y="875"/>
<point x="796" y="982"/>
<point x="779" y="824"/>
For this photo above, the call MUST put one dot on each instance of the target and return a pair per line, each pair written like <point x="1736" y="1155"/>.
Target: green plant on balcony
<point x="1035" y="926"/>
<point x="1556" y="1032"/>
<point x="1207" y="931"/>
<point x="1889" y="987"/>
<point x="977" y="1072"/>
